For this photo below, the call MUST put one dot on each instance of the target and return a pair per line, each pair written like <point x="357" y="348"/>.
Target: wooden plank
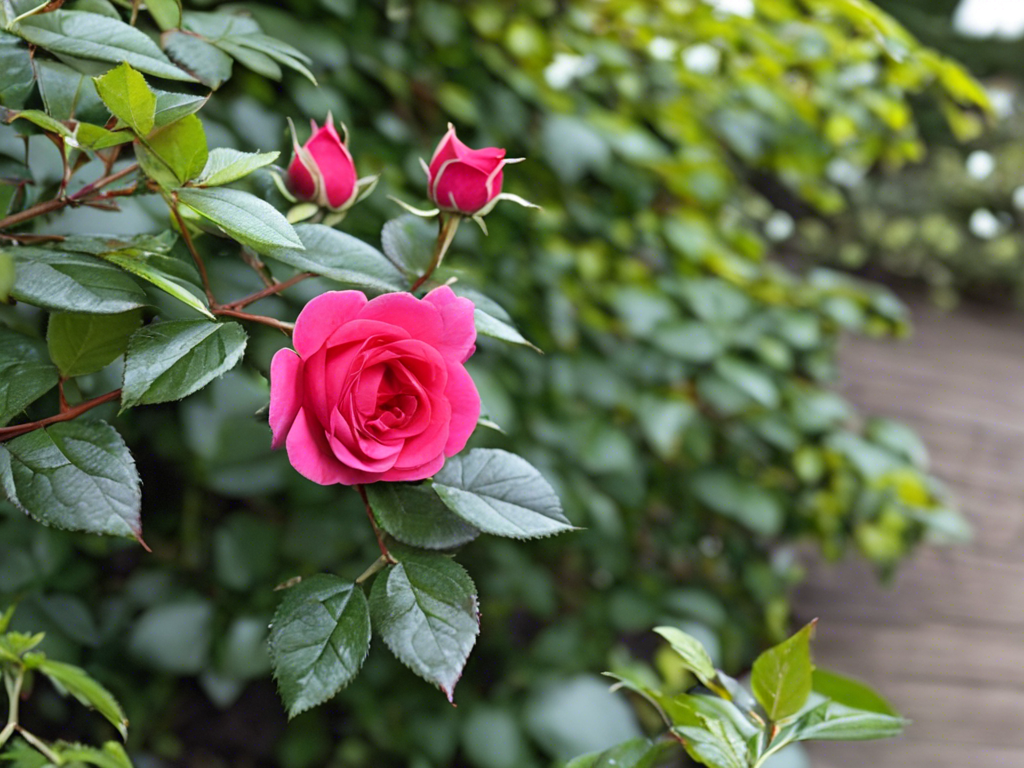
<point x="953" y="586"/>
<point x="907" y="753"/>
<point x="930" y="651"/>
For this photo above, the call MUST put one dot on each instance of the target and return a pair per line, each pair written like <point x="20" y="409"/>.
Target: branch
<point x="192" y="249"/>
<point x="6" y="433"/>
<point x="270" y="290"/>
<point x="60" y="202"/>
<point x="281" y="325"/>
<point x="376" y="529"/>
<point x="445" y="235"/>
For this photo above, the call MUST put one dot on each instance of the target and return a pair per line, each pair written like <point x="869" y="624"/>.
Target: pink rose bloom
<point x="463" y="180"/>
<point x="375" y="390"/>
<point x="322" y="170"/>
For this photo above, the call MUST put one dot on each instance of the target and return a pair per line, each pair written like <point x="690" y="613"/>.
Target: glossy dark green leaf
<point x="205" y="61"/>
<point x="425" y="609"/>
<point x="72" y="282"/>
<point x="716" y="744"/>
<point x="162" y="270"/>
<point x="227" y="165"/>
<point x="414" y="515"/>
<point x="341" y="257"/>
<point x="19" y="80"/>
<point x="171" y="106"/>
<point x="84" y="343"/>
<point x="635" y="753"/>
<point x="76" y="475"/>
<point x="76" y="682"/>
<point x="500" y="493"/>
<point x="101" y="38"/>
<point x="781" y="676"/>
<point x="318" y="640"/>
<point x="245" y="217"/>
<point x="26" y="373"/>
<point x="169" y="361"/>
<point x="262" y="54"/>
<point x="128" y="97"/>
<point x="408" y="242"/>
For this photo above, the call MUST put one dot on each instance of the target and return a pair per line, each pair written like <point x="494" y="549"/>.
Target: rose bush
<point x="375" y="390"/>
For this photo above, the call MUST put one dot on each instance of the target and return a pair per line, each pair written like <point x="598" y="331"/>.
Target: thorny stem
<point x="447" y="227"/>
<point x="270" y="290"/>
<point x="376" y="529"/>
<point x="60" y="202"/>
<point x="192" y="250"/>
<point x="6" y="433"/>
<point x="64" y="407"/>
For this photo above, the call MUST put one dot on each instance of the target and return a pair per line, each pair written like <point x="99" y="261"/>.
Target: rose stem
<point x="192" y="249"/>
<point x="373" y="523"/>
<point x="270" y="290"/>
<point x="6" y="433"/>
<point x="57" y="203"/>
<point x="446" y="233"/>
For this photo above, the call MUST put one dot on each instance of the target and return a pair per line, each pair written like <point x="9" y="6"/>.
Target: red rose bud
<point x="463" y="180"/>
<point x="322" y="170"/>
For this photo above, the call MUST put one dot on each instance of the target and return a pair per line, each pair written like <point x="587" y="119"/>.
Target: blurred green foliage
<point x="684" y="409"/>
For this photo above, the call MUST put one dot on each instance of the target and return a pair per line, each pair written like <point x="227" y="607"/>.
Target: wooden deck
<point x="945" y="641"/>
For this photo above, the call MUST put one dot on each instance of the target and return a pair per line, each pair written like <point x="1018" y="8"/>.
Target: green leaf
<point x="425" y="609"/>
<point x="94" y="137"/>
<point x="492" y="320"/>
<point x="341" y="257"/>
<point x="19" y="80"/>
<point x="738" y="498"/>
<point x="76" y="475"/>
<point x="781" y="676"/>
<point x="169" y="361"/>
<point x="111" y="755"/>
<point x="849" y="692"/>
<point x="69" y="94"/>
<point x="77" y="683"/>
<point x="174" y="635"/>
<point x="717" y="744"/>
<point x="257" y="61"/>
<point x="695" y="657"/>
<point x="414" y="515"/>
<point x="692" y="342"/>
<point x="318" y="640"/>
<point x="245" y="217"/>
<point x="72" y="282"/>
<point x="6" y="275"/>
<point x="501" y="494"/>
<point x="128" y="97"/>
<point x="635" y="753"/>
<point x="171" y="106"/>
<point x="161" y="269"/>
<point x="408" y="242"/>
<point x="227" y="165"/>
<point x="101" y="38"/>
<point x="40" y="119"/>
<point x="205" y="61"/>
<point x="166" y="13"/>
<point x="81" y="344"/>
<point x="181" y="146"/>
<point x="5" y="618"/>
<point x="749" y="378"/>
<point x="270" y="47"/>
<point x="26" y="373"/>
<point x="831" y="721"/>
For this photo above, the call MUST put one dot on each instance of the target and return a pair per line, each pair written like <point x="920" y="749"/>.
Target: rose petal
<point x="462" y="188"/>
<point x="462" y="393"/>
<point x="301" y="181"/>
<point x="421" y="320"/>
<point x="447" y="149"/>
<point x="458" y="337"/>
<point x="337" y="169"/>
<point x="486" y="159"/>
<point x="429" y="469"/>
<point x="285" y="394"/>
<point x="312" y="458"/>
<point x="322" y="317"/>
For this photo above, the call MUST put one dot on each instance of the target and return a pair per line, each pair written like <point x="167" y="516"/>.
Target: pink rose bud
<point x="375" y="390"/>
<point x="322" y="170"/>
<point x="463" y="180"/>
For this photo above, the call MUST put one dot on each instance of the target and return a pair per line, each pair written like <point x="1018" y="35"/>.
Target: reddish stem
<point x="373" y="524"/>
<point x="270" y="290"/>
<point x="6" y="433"/>
<point x="281" y="325"/>
<point x="57" y="203"/>
<point x="192" y="250"/>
